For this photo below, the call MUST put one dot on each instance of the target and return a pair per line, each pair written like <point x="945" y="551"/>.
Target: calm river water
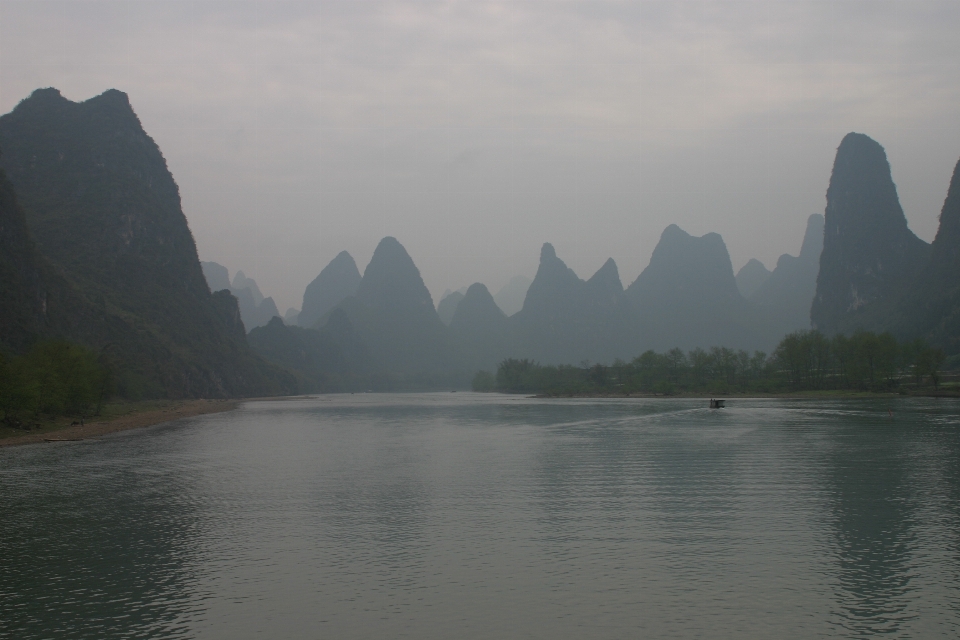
<point x="487" y="516"/>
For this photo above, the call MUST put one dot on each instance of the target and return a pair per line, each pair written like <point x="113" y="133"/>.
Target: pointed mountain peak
<point x="337" y="281"/>
<point x="42" y="99"/>
<point x="478" y="295"/>
<point x="392" y="280"/>
<point x="754" y="265"/>
<point x="391" y="255"/>
<point x="343" y="259"/>
<point x="861" y="147"/>
<point x="448" y="306"/>
<point x="241" y="281"/>
<point x="861" y="192"/>
<point x="607" y="275"/>
<point x="389" y="248"/>
<point x="218" y="278"/>
<point x="547" y="252"/>
<point x="477" y="311"/>
<point x="46" y="94"/>
<point x="112" y="96"/>
<point x="751" y="277"/>
<point x="869" y="253"/>
<point x="552" y="269"/>
<point x="554" y="281"/>
<point x="812" y="245"/>
<point x="478" y="289"/>
<point x="689" y="267"/>
<point x="673" y="231"/>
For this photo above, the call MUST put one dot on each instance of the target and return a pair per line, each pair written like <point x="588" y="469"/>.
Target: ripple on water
<point x="463" y="515"/>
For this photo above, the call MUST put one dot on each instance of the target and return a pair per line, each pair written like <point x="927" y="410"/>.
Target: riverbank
<point x="115" y="417"/>
<point x="810" y="395"/>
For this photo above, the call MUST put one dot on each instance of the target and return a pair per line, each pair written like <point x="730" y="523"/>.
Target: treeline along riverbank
<point x="53" y="378"/>
<point x="803" y="361"/>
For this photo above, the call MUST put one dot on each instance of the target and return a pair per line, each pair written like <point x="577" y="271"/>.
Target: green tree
<point x="699" y="365"/>
<point x="53" y="377"/>
<point x="484" y="381"/>
<point x="516" y="375"/>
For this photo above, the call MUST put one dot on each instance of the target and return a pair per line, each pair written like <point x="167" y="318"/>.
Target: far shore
<point x="134" y="415"/>
<point x="119" y="417"/>
<point x="793" y="395"/>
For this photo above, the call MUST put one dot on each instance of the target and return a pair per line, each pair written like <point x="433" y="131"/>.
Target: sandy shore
<point x="133" y="420"/>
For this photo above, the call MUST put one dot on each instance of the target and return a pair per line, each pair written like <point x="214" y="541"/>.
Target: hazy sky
<point x="475" y="131"/>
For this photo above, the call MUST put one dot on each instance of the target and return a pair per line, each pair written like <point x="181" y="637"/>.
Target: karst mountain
<point x="104" y="211"/>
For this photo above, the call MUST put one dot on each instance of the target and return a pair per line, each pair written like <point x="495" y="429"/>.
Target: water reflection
<point x="454" y="515"/>
<point x="892" y="486"/>
<point x="95" y="542"/>
<point x="873" y="511"/>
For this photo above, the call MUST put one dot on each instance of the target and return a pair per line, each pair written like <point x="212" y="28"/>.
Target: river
<point x="459" y="515"/>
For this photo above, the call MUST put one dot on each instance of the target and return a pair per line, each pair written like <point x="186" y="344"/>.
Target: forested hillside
<point x="104" y="211"/>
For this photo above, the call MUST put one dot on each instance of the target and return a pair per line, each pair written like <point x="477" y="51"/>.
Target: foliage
<point x="54" y="377"/>
<point x="804" y="360"/>
<point x="484" y="381"/>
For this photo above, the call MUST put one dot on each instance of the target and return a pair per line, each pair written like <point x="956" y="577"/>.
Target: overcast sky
<point x="475" y="131"/>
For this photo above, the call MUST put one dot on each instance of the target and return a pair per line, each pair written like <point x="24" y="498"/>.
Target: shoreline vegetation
<point x="805" y="362"/>
<point x="59" y="391"/>
<point x="944" y="392"/>
<point x="118" y="416"/>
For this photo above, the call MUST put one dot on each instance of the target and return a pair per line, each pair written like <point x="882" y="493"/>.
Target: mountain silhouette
<point x="568" y="320"/>
<point x="930" y="307"/>
<point x="869" y="254"/>
<point x="393" y="314"/>
<point x="35" y="301"/>
<point x="785" y="297"/>
<point x="479" y="326"/>
<point x="217" y="276"/>
<point x="688" y="297"/>
<point x="325" y="360"/>
<point x="448" y="306"/>
<point x="337" y="281"/>
<point x="751" y="277"/>
<point x="255" y="310"/>
<point x="511" y="296"/>
<point x="103" y="209"/>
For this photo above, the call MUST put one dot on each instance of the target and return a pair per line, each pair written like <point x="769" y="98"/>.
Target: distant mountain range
<point x="858" y="267"/>
<point x="686" y="297"/>
<point x="255" y="310"/>
<point x="783" y="297"/>
<point x="96" y="249"/>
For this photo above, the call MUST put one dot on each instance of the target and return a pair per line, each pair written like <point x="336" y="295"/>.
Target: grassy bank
<point x="115" y="416"/>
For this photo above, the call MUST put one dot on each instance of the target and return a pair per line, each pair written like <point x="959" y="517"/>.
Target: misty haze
<point x="479" y="319"/>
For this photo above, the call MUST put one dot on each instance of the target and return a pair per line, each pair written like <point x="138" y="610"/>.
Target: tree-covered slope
<point x="35" y="301"/>
<point x="104" y="210"/>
